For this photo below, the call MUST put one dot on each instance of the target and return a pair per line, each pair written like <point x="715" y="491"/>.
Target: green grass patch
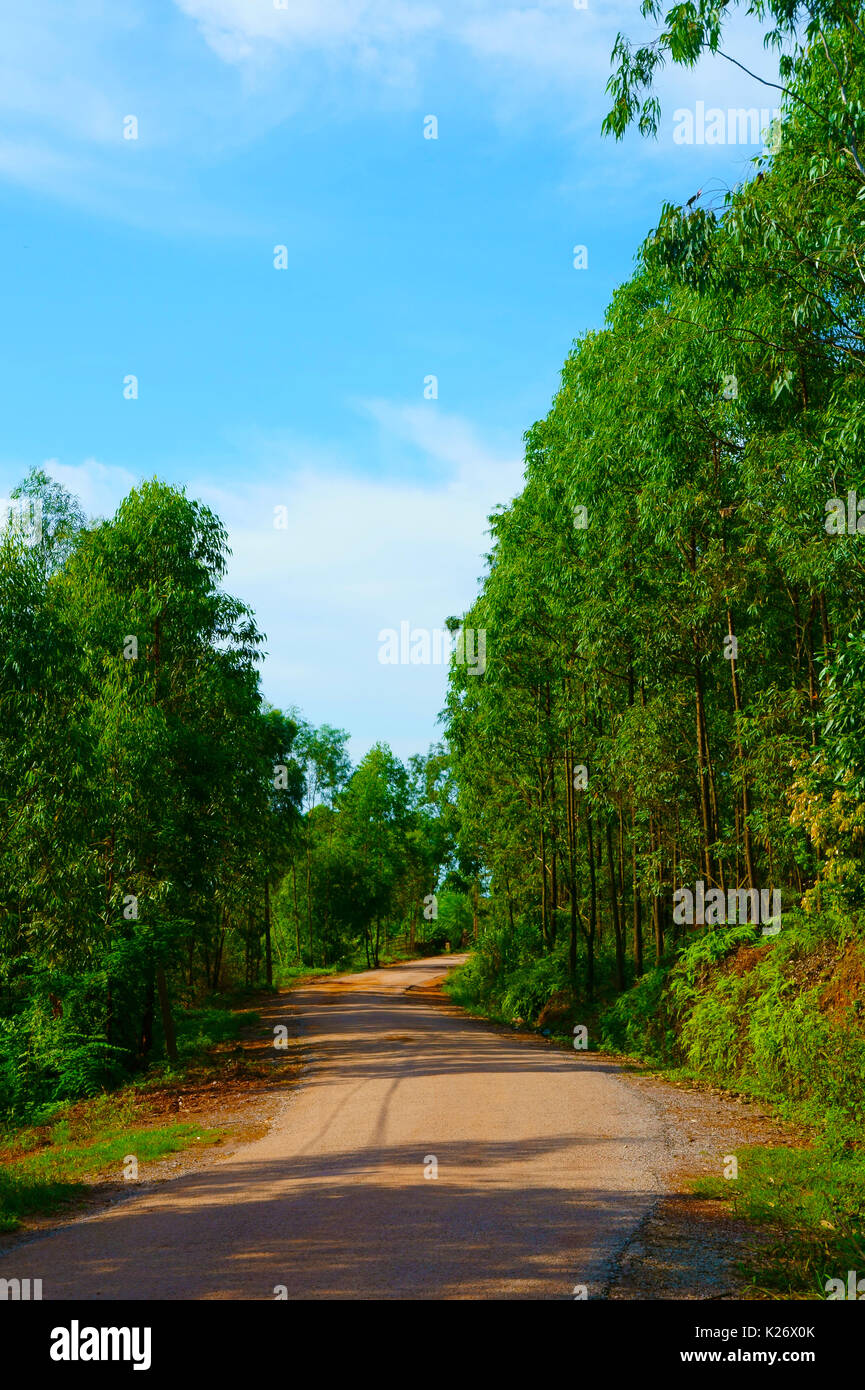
<point x="814" y="1200"/>
<point x="291" y="974"/>
<point x="199" y="1030"/>
<point x="43" y="1167"/>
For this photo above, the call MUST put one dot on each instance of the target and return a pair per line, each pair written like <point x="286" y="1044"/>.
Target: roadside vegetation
<point x="165" y="834"/>
<point x="50" y="1158"/>
<point x="673" y="709"/>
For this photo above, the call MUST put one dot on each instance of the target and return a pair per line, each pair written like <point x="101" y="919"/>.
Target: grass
<point x="44" y="1166"/>
<point x="814" y="1202"/>
<point x="781" y="1023"/>
<point x="515" y="998"/>
<point x="289" y="975"/>
<point x="454" y="987"/>
<point x="199" y="1030"/>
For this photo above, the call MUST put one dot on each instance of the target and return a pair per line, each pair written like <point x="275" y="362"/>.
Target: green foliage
<point x="141" y="821"/>
<point x="375" y="844"/>
<point x="506" y="978"/>
<point x="200" y="1029"/>
<point x="639" y="1021"/>
<point x="452" y="924"/>
<point x="814" y="1199"/>
<point x="526" y="991"/>
<point x="780" y="1019"/>
<point x="46" y="1170"/>
<point x="164" y="831"/>
<point x="675" y="688"/>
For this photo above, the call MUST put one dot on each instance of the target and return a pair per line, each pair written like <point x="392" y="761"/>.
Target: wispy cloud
<point x="239" y="30"/>
<point x="358" y="554"/>
<point x="355" y="554"/>
<point x="548" y="33"/>
<point x="207" y="78"/>
<point x="100" y="487"/>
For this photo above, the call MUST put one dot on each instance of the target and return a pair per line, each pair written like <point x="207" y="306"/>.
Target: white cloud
<point x="100" y="487"/>
<point x="547" y="33"/>
<point x="445" y="439"/>
<point x="70" y="75"/>
<point x="550" y="37"/>
<point x="520" y="41"/>
<point x="361" y="554"/>
<point x="210" y="77"/>
<point x="358" y="554"/>
<point x="242" y="29"/>
<point x="57" y="68"/>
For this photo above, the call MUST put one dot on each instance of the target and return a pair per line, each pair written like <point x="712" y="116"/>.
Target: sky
<point x="282" y="260"/>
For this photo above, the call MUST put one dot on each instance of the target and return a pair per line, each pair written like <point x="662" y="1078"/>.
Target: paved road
<point x="546" y="1161"/>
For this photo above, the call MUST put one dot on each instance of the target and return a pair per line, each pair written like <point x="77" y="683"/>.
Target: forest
<point x="675" y="693"/>
<point x="166" y="833"/>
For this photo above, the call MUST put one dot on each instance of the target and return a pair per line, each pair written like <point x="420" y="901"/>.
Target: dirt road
<point x="546" y="1162"/>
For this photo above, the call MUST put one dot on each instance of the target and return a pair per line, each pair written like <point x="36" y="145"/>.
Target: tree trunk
<point x="167" y="1020"/>
<point x="746" y="797"/>
<point x="705" y="812"/>
<point x="544" y="930"/>
<point x="614" y="904"/>
<point x="309" y="891"/>
<point x="593" y="914"/>
<point x="217" y="963"/>
<point x="638" y="925"/>
<point x="572" y="876"/>
<point x="296" y="912"/>
<point x="268" y="956"/>
<point x="145" y="1042"/>
<point x="659" y="929"/>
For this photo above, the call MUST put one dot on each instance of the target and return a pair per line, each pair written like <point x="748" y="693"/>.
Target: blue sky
<point x="303" y="388"/>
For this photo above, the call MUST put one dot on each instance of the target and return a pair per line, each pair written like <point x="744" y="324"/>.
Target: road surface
<point x="423" y="1155"/>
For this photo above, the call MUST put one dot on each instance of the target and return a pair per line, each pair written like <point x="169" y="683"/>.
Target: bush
<point x="779" y="1018"/>
<point x="506" y="976"/>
